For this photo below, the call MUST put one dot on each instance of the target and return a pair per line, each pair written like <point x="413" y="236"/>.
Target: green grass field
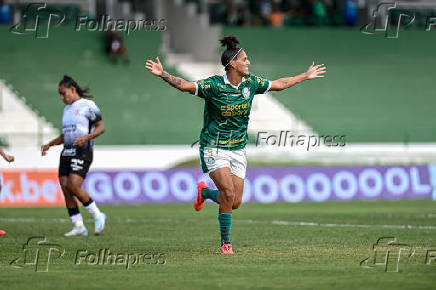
<point x="272" y="248"/>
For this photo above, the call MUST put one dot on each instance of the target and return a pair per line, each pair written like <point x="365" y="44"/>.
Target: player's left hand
<point x="316" y="71"/>
<point x="155" y="68"/>
<point x="80" y="141"/>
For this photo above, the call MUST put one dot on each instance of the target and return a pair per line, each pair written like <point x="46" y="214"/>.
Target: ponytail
<point x="69" y="82"/>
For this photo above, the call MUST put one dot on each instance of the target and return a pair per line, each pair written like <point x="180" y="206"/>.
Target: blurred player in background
<point x="8" y="158"/>
<point x="115" y="46"/>
<point x="81" y="124"/>
<point x="228" y="100"/>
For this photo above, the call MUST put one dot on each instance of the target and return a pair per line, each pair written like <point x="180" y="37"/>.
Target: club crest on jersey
<point x="246" y="93"/>
<point x="210" y="160"/>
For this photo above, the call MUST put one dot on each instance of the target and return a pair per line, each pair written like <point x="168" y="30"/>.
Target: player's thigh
<point x="75" y="182"/>
<point x="223" y="181"/>
<point x="63" y="181"/>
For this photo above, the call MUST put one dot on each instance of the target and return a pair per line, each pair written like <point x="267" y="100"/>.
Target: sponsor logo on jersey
<point x="76" y="164"/>
<point x="69" y="152"/>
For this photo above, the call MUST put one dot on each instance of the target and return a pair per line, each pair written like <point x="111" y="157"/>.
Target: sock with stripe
<point x="92" y="208"/>
<point x="225" y="220"/>
<point x="75" y="216"/>
<point x="209" y="193"/>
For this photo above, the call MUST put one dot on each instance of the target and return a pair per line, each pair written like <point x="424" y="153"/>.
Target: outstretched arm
<point x="7" y="157"/>
<point x="314" y="71"/>
<point x="179" y="83"/>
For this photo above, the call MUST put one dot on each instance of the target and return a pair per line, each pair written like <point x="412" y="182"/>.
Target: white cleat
<point x="77" y="231"/>
<point x="99" y="223"/>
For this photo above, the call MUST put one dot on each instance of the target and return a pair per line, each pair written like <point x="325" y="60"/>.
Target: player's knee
<point x="236" y="204"/>
<point x="73" y="187"/>
<point x="229" y="195"/>
<point x="65" y="190"/>
<point x="64" y="186"/>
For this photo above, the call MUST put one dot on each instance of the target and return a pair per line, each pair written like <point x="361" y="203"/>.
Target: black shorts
<point x="78" y="164"/>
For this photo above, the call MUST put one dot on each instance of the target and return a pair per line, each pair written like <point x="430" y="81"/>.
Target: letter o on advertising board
<point x="103" y="191"/>
<point x="403" y="177"/>
<point x="298" y="183"/>
<point x="265" y="196"/>
<point x="370" y="174"/>
<point x="187" y="194"/>
<point x="313" y="192"/>
<point x="162" y="188"/>
<point x="124" y="192"/>
<point x="345" y="177"/>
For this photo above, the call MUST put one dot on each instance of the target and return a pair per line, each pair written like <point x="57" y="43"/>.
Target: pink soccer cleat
<point x="199" y="201"/>
<point x="226" y="249"/>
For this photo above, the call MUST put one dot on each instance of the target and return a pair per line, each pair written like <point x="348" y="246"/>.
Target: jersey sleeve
<point x="262" y="85"/>
<point x="204" y="88"/>
<point x="93" y="114"/>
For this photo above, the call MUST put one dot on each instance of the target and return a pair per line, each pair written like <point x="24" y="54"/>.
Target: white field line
<point x="312" y="224"/>
<point x="276" y="222"/>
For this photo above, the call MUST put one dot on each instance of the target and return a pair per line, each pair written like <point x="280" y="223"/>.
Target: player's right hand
<point x="154" y="67"/>
<point x="44" y="149"/>
<point x="9" y="158"/>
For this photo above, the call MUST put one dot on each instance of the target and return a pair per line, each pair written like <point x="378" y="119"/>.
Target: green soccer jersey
<point x="227" y="110"/>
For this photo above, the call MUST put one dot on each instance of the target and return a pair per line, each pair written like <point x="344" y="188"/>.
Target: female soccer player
<point x="228" y="100"/>
<point x="8" y="158"/>
<point x="81" y="123"/>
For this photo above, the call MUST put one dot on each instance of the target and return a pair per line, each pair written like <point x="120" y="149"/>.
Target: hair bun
<point x="230" y="41"/>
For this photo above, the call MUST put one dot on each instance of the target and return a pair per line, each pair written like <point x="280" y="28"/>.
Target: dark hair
<point x="68" y="82"/>
<point x="231" y="52"/>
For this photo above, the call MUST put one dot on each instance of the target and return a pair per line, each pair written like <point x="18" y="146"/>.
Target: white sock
<point x="77" y="220"/>
<point x="93" y="209"/>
